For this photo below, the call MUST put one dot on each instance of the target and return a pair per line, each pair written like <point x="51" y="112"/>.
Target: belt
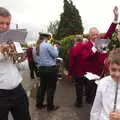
<point x="14" y="89"/>
<point x="47" y="67"/>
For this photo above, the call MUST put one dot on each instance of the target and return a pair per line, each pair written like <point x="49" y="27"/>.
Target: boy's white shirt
<point x="104" y="100"/>
<point x="10" y="77"/>
<point x="91" y="76"/>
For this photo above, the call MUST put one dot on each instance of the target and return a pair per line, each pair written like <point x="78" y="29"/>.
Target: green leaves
<point x="70" y="22"/>
<point x="66" y="44"/>
<point x="114" y="42"/>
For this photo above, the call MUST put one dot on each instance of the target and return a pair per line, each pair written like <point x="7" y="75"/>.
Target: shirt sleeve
<point x="52" y="51"/>
<point x="110" y="31"/>
<point x="97" y="105"/>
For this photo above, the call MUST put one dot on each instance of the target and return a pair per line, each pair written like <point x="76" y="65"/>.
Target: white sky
<point x="35" y="15"/>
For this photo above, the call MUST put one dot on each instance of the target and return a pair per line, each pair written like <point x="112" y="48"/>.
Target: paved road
<point x="65" y="97"/>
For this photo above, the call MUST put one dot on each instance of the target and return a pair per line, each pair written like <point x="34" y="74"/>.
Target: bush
<point x="66" y="44"/>
<point x="114" y="41"/>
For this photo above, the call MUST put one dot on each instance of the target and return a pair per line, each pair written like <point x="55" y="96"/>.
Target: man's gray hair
<point x="93" y="28"/>
<point x="4" y="12"/>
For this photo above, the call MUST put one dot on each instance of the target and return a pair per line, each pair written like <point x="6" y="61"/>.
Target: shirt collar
<point x="93" y="43"/>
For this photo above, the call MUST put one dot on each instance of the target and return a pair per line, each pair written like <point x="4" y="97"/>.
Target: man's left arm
<point x="112" y="27"/>
<point x="52" y="51"/>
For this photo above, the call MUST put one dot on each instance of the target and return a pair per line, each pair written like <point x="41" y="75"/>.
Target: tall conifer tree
<point x="70" y="23"/>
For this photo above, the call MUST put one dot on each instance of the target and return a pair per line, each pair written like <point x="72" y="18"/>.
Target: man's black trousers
<point x="14" y="101"/>
<point x="48" y="79"/>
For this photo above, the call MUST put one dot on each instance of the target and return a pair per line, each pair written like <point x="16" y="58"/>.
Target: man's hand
<point x="4" y="48"/>
<point x="116" y="13"/>
<point x="115" y="116"/>
<point x="7" y="49"/>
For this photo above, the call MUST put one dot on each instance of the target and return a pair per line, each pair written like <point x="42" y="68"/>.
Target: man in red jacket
<point x="86" y="58"/>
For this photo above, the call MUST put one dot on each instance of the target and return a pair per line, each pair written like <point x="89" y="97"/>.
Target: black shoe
<point x="53" y="108"/>
<point x="32" y="77"/>
<point x="40" y="106"/>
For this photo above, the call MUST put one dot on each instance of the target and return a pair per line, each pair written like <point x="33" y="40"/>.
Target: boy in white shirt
<point x="106" y="105"/>
<point x="12" y="95"/>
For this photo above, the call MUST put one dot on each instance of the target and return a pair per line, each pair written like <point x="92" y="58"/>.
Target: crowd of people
<point x="84" y="57"/>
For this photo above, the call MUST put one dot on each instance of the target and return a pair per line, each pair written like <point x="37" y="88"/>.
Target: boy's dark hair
<point x="114" y="56"/>
<point x="4" y="12"/>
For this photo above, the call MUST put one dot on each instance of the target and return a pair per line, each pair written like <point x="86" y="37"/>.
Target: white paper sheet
<point x="102" y="44"/>
<point x="97" y="82"/>
<point x="18" y="47"/>
<point x="91" y="76"/>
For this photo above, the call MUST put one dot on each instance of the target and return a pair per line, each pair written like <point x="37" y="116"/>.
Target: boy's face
<point x="4" y="23"/>
<point x="114" y="71"/>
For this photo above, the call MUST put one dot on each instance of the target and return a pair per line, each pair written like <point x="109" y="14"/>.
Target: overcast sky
<point x="35" y="15"/>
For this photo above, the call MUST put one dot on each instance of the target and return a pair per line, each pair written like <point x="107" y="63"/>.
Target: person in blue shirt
<point x="46" y="60"/>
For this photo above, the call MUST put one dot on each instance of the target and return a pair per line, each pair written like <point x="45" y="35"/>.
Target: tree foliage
<point x="114" y="41"/>
<point x="70" y="23"/>
<point x="52" y="28"/>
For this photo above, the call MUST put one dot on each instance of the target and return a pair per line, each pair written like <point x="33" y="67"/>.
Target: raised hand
<point x="116" y="13"/>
